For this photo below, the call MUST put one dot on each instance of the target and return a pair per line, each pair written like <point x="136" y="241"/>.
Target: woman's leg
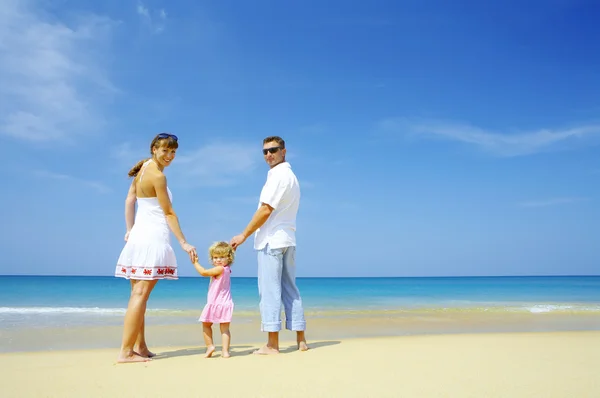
<point x="134" y="319"/>
<point x="226" y="339"/>
<point x="208" y="339"/>
<point x="140" y="347"/>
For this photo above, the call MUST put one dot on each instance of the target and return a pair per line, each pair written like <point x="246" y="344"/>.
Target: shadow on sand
<point x="238" y="350"/>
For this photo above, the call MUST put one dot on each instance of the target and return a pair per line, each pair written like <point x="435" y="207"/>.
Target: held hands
<point x="237" y="240"/>
<point x="190" y="250"/>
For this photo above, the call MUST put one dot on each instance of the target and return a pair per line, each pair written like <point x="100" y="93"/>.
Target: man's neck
<point x="275" y="165"/>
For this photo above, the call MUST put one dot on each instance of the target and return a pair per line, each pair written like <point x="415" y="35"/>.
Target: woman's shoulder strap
<point x="144" y="168"/>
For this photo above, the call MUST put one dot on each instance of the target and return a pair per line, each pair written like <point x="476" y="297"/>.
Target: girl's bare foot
<point x="209" y="351"/>
<point x="266" y="350"/>
<point x="225" y="354"/>
<point x="132" y="358"/>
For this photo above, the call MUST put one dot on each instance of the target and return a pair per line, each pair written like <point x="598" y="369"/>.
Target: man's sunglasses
<point x="271" y="150"/>
<point x="167" y="135"/>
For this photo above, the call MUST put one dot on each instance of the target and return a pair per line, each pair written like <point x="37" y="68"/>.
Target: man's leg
<point x="292" y="301"/>
<point x="269" y="289"/>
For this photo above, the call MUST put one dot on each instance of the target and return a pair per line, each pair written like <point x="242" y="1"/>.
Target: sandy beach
<point x="556" y="364"/>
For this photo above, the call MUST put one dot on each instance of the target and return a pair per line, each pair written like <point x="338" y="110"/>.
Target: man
<point x="275" y="225"/>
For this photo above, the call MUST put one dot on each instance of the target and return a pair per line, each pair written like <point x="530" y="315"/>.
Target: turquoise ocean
<point x="55" y="302"/>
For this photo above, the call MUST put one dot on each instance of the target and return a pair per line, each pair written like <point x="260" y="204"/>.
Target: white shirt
<point x="282" y="193"/>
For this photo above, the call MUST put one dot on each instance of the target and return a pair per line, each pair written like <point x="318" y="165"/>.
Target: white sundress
<point x="148" y="253"/>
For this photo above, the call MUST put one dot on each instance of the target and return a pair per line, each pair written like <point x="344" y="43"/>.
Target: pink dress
<point x="219" y="305"/>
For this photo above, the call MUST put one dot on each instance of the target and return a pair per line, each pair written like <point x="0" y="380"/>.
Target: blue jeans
<point x="277" y="285"/>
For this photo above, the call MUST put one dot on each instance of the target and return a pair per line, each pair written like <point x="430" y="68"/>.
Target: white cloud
<point x="51" y="79"/>
<point x="101" y="188"/>
<point x="143" y="11"/>
<point x="218" y="164"/>
<point x="157" y="24"/>
<point x="126" y="153"/>
<point x="502" y="144"/>
<point x="552" y="202"/>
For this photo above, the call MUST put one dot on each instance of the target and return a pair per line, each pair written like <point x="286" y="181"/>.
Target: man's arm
<point x="260" y="217"/>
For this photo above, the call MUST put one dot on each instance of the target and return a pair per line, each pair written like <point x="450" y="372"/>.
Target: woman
<point x="148" y="255"/>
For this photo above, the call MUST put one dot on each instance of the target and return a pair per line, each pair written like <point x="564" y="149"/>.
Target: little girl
<point x="219" y="305"/>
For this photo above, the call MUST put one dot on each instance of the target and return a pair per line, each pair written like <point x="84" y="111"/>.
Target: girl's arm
<point x="130" y="207"/>
<point x="214" y="271"/>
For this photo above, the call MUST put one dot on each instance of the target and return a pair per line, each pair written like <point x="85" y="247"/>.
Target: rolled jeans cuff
<point x="270" y="326"/>
<point x="295" y="326"/>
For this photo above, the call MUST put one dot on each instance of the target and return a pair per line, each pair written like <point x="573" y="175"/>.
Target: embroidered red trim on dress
<point x="146" y="272"/>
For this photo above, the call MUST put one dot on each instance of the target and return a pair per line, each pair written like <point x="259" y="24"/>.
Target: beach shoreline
<point x="548" y="364"/>
<point x="246" y="330"/>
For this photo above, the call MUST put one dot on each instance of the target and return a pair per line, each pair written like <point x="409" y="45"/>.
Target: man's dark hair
<point x="276" y="139"/>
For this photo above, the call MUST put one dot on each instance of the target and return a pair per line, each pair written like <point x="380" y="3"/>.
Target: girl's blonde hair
<point x="221" y="249"/>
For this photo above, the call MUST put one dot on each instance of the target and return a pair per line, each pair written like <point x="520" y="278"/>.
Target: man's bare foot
<point x="209" y="351"/>
<point x="266" y="350"/>
<point x="132" y="358"/>
<point x="225" y="354"/>
<point x="302" y="346"/>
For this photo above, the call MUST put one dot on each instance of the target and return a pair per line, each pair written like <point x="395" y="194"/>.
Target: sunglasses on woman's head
<point x="167" y="135"/>
<point x="271" y="150"/>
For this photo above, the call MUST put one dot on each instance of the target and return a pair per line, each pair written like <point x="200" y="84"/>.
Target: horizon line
<point x="330" y="277"/>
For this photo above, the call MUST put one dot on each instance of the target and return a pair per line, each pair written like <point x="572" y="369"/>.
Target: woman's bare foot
<point x="209" y="351"/>
<point x="225" y="354"/>
<point x="145" y="352"/>
<point x="132" y="358"/>
<point x="266" y="350"/>
<point x="302" y="346"/>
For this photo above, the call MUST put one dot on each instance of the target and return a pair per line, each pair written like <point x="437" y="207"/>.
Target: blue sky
<point x="431" y="138"/>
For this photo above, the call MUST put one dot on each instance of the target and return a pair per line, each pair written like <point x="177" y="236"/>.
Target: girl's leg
<point x="226" y="339"/>
<point x="208" y="339"/>
<point x="134" y="319"/>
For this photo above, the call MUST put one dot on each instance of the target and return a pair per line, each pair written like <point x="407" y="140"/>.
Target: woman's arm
<point x="214" y="271"/>
<point x="130" y="207"/>
<point x="160" y="187"/>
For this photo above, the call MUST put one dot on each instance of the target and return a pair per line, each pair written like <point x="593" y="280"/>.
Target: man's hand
<point x="237" y="240"/>
<point x="260" y="217"/>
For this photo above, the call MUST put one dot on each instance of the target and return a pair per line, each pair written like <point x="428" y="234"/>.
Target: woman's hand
<point x="190" y="250"/>
<point x="127" y="235"/>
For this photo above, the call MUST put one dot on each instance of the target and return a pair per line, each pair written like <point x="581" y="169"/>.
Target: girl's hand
<point x="127" y="235"/>
<point x="191" y="251"/>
